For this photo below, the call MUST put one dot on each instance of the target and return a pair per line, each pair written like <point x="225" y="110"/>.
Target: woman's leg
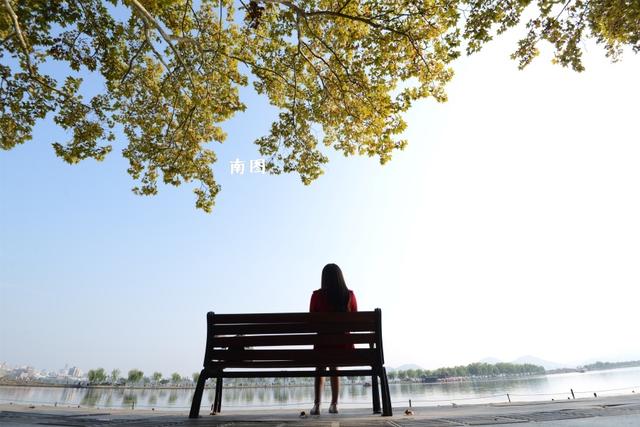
<point x="335" y="390"/>
<point x="317" y="387"/>
<point x="317" y="390"/>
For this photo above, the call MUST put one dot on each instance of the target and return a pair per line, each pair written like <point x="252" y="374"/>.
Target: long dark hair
<point x="335" y="288"/>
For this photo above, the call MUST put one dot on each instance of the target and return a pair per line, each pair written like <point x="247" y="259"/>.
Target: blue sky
<point x="507" y="227"/>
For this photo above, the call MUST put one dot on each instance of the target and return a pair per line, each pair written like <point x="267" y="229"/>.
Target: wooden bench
<point x="269" y="345"/>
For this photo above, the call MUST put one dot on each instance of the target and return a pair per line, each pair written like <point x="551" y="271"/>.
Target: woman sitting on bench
<point x="332" y="296"/>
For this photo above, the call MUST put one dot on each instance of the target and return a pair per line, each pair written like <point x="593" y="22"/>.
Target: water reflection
<point x="91" y="398"/>
<point x="153" y="399"/>
<point x="130" y="399"/>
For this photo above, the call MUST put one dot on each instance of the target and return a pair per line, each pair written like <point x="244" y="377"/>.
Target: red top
<point x="319" y="302"/>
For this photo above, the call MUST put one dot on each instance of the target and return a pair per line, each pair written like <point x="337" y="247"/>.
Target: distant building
<point x="23" y="374"/>
<point x="75" y="372"/>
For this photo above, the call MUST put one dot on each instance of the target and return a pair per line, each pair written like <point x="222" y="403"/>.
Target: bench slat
<point x="317" y="355"/>
<point x="292" y="328"/>
<point x="305" y="339"/>
<point x="351" y="317"/>
<point x="286" y="374"/>
<point x="265" y="364"/>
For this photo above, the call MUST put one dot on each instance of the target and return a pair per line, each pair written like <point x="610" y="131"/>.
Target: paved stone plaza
<point x="609" y="411"/>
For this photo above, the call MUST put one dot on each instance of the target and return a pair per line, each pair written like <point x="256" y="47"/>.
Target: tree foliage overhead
<point x="340" y="72"/>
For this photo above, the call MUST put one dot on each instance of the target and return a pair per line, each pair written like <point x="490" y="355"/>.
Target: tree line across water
<point x="136" y="377"/>
<point x="474" y="370"/>
<point x="471" y="370"/>
<point x="601" y="366"/>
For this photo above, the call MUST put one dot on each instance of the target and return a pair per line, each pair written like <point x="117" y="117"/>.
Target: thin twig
<point x="344" y="5"/>
<point x="563" y="8"/>
<point x="133" y="58"/>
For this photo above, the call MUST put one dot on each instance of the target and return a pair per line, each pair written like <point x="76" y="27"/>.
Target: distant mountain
<point x="490" y="360"/>
<point x="405" y="367"/>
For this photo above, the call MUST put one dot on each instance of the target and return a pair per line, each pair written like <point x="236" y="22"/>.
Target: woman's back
<point x="320" y="302"/>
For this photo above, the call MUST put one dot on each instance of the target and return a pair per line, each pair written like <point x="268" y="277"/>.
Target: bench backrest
<point x="287" y="340"/>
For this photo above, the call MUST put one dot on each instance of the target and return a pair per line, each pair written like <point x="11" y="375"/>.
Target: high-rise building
<point x="74" y="372"/>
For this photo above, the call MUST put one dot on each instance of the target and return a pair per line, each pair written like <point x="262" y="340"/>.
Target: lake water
<point x="611" y="382"/>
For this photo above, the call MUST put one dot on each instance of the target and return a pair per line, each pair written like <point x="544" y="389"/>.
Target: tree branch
<point x="31" y="72"/>
<point x="295" y="75"/>
<point x="325" y="88"/>
<point x="153" y="48"/>
<point x="149" y="18"/>
<point x="18" y="31"/>
<point x="336" y="14"/>
<point x="133" y="58"/>
<point x="359" y="18"/>
<point x="367" y="20"/>
<point x="254" y="65"/>
<point x="339" y="79"/>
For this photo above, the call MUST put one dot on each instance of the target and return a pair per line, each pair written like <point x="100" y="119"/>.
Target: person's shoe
<point x="333" y="408"/>
<point x="315" y="410"/>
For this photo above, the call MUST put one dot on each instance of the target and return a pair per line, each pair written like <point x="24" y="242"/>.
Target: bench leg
<point x="217" y="401"/>
<point x="387" y="411"/>
<point x="376" y="394"/>
<point x="197" y="396"/>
